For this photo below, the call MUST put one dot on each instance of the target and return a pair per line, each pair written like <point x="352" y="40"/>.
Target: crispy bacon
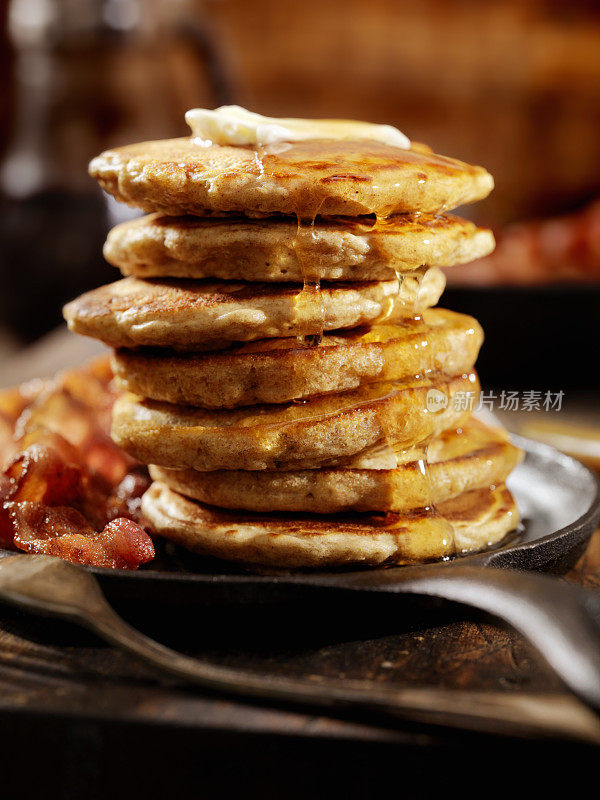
<point x="41" y="474"/>
<point x="85" y="427"/>
<point x="67" y="489"/>
<point x="64" y="532"/>
<point x="12" y="404"/>
<point x="563" y="249"/>
<point x="6" y="526"/>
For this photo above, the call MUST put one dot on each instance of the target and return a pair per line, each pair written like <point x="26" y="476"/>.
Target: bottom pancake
<point x="479" y="519"/>
<point x="471" y="457"/>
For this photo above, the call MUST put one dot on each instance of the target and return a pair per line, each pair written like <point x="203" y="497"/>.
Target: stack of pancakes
<point x="300" y="401"/>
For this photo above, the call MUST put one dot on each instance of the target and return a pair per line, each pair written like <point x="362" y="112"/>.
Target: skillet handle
<point x="561" y="620"/>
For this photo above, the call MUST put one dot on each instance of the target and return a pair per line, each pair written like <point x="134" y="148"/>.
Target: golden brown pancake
<point x="319" y="176"/>
<point x="280" y="370"/>
<point x="326" y="430"/>
<point x="479" y="519"/>
<point x="200" y="315"/>
<point x="473" y="456"/>
<point x="274" y="249"/>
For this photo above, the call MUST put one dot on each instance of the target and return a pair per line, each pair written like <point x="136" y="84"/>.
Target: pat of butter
<point x="234" y="125"/>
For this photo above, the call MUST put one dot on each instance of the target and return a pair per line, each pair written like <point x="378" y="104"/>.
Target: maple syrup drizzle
<point x="310" y="312"/>
<point x="406" y="302"/>
<point x="403" y="303"/>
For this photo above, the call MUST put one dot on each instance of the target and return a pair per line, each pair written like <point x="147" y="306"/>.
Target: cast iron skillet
<point x="559" y="500"/>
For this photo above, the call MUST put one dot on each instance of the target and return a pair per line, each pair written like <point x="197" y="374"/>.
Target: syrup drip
<point x="309" y="305"/>
<point x="423" y="456"/>
<point x="392" y="450"/>
<point x="405" y="301"/>
<point x="397" y="454"/>
<point x="406" y="430"/>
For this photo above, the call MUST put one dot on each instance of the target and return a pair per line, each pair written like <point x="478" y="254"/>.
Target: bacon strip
<point x="562" y="249"/>
<point x="68" y="490"/>
<point x="64" y="532"/>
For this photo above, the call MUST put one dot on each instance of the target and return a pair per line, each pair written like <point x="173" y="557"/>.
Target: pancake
<point x="280" y="370"/>
<point x="322" y="431"/>
<point x="196" y="315"/>
<point x="319" y="176"/>
<point x="480" y="518"/>
<point x="272" y="249"/>
<point x="472" y="457"/>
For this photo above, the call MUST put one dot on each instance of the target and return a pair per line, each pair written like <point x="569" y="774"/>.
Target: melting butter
<point x="234" y="125"/>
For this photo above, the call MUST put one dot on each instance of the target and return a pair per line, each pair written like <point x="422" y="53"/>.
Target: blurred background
<point x="510" y="84"/>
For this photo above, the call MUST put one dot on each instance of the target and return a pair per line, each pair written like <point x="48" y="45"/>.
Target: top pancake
<point x="276" y="249"/>
<point x="318" y="176"/>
